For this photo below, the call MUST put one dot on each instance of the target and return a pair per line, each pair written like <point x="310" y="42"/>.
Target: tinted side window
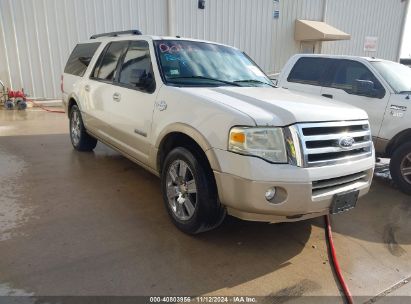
<point x="106" y="66"/>
<point x="98" y="63"/>
<point x="348" y="72"/>
<point x="80" y="58"/>
<point x="136" y="70"/>
<point x="308" y="70"/>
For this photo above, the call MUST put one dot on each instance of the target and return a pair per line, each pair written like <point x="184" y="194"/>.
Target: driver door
<point x="133" y="100"/>
<point x="339" y="86"/>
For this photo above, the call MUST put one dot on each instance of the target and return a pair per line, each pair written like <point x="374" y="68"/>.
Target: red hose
<point x="337" y="268"/>
<point x="43" y="108"/>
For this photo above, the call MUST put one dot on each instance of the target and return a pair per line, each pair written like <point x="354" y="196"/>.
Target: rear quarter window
<point x="308" y="70"/>
<point x="80" y="58"/>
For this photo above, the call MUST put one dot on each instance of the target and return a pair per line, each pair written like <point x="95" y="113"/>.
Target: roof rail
<point x="115" y="34"/>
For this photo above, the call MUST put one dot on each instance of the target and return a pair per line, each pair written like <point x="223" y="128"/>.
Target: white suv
<point x="204" y="118"/>
<point x="382" y="88"/>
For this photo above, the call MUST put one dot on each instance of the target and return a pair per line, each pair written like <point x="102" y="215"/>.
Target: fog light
<point x="270" y="193"/>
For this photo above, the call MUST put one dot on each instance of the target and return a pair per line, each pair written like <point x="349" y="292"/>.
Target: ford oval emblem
<point x="346" y="142"/>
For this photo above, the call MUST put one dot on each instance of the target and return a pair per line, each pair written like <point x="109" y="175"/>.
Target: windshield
<point x="191" y="63"/>
<point x="397" y="75"/>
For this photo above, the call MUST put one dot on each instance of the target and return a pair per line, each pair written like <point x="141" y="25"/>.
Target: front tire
<point x="80" y="139"/>
<point x="400" y="167"/>
<point x="189" y="193"/>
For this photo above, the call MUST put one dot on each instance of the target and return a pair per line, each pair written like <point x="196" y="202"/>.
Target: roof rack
<point x="115" y="34"/>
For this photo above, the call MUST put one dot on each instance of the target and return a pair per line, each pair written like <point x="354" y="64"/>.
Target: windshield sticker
<point x="170" y="57"/>
<point x="174" y="72"/>
<point x="164" y="48"/>
<point x="255" y="70"/>
<point x="175" y="48"/>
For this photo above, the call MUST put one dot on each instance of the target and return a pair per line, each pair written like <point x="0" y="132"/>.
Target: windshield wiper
<point x="404" y="92"/>
<point x="254" y="81"/>
<point x="206" y="78"/>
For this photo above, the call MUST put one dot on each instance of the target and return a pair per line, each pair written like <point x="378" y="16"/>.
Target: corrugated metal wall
<point x="283" y="44"/>
<point x="248" y="25"/>
<point x="36" y="36"/>
<point x="375" y="18"/>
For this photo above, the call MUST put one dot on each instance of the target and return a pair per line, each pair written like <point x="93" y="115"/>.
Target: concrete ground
<point x="94" y="224"/>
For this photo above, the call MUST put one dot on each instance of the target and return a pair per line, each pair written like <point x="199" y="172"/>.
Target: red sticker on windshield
<point x="164" y="48"/>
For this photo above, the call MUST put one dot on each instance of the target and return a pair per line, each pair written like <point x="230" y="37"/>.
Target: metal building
<point x="36" y="36"/>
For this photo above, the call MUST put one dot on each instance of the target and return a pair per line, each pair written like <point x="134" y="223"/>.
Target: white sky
<point x="406" y="44"/>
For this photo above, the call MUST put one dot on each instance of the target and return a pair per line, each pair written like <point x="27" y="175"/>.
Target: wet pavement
<point x="94" y="224"/>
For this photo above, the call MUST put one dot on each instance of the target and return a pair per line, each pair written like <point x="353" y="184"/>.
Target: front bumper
<point x="243" y="182"/>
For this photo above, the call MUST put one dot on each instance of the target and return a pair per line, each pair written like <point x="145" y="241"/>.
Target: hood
<point x="279" y="107"/>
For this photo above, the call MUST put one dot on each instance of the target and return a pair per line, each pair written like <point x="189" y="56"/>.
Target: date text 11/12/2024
<point x="204" y="299"/>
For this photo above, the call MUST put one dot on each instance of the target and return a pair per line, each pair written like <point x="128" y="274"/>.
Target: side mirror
<point x="149" y="83"/>
<point x="274" y="81"/>
<point x="137" y="77"/>
<point x="364" y="88"/>
<point x="141" y="79"/>
<point x="274" y="78"/>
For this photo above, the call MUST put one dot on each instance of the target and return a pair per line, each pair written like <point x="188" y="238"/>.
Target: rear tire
<point x="80" y="139"/>
<point x="189" y="193"/>
<point x="400" y="167"/>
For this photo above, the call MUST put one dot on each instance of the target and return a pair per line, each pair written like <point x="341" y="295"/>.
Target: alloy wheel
<point x="75" y="127"/>
<point x="406" y="168"/>
<point x="181" y="190"/>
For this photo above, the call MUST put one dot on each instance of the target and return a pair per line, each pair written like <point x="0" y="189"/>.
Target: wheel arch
<point x="72" y="101"/>
<point x="186" y="136"/>
<point x="402" y="137"/>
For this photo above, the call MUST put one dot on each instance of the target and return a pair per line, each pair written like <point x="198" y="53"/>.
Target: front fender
<point x="193" y="134"/>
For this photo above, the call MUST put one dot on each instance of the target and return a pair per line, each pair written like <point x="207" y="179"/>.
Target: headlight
<point x="266" y="143"/>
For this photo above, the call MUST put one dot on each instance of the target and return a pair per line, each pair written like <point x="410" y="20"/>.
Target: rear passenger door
<point x="339" y="85"/>
<point x="77" y="65"/>
<point x="306" y="75"/>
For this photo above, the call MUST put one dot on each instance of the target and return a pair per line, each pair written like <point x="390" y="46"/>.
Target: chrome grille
<point x="327" y="186"/>
<point x="339" y="181"/>
<point x="327" y="143"/>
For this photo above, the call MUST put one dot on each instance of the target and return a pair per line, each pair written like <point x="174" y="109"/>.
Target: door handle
<point x="327" y="96"/>
<point x="116" y="97"/>
<point x="87" y="88"/>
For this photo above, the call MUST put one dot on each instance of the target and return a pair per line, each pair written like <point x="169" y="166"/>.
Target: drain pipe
<point x="324" y="16"/>
<point x="402" y="31"/>
<point x="325" y="6"/>
<point x="171" y="17"/>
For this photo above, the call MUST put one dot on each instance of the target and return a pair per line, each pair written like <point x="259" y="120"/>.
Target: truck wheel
<point x="189" y="193"/>
<point x="400" y="167"/>
<point x="80" y="139"/>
